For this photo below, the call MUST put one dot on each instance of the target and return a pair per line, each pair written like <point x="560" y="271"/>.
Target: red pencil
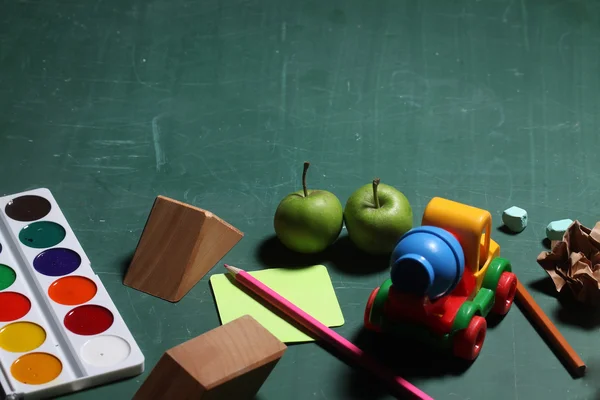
<point x="320" y="331"/>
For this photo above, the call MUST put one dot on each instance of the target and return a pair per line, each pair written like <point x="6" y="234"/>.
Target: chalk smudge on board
<point x="525" y="28"/>
<point x="283" y="31"/>
<point x="158" y="150"/>
<point x="112" y="142"/>
<point x="506" y="11"/>
<point x="283" y="84"/>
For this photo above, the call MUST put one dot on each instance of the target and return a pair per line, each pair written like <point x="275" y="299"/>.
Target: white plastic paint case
<point x="87" y="360"/>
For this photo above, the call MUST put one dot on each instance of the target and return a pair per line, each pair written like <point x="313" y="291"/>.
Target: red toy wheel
<point x="468" y="342"/>
<point x="505" y="293"/>
<point x="367" y="317"/>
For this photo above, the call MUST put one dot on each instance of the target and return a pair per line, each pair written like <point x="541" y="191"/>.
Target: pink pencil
<point x="323" y="332"/>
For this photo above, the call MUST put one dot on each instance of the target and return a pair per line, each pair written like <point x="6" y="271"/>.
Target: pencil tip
<point x="232" y="269"/>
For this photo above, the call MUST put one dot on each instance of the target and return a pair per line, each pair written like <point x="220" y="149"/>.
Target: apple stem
<point x="375" y="197"/>
<point x="306" y="165"/>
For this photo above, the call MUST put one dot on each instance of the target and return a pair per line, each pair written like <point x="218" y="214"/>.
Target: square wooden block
<point x="179" y="245"/>
<point x="230" y="362"/>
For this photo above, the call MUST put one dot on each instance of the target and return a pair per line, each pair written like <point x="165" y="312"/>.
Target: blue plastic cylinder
<point x="427" y="261"/>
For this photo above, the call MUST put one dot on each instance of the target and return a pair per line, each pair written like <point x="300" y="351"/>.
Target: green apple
<point x="376" y="217"/>
<point x="308" y="221"/>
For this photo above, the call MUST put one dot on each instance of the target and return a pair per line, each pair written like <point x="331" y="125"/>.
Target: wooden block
<point x="179" y="245"/>
<point x="230" y="362"/>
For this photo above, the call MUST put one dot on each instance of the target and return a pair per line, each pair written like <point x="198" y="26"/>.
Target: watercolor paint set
<point x="59" y="330"/>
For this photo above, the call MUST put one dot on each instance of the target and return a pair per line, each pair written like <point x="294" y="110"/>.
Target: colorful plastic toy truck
<point x="446" y="277"/>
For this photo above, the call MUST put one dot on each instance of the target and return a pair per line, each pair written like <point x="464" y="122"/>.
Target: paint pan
<point x="59" y="330"/>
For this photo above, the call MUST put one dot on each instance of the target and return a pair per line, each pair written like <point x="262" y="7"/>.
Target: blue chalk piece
<point x="515" y="219"/>
<point x="556" y="229"/>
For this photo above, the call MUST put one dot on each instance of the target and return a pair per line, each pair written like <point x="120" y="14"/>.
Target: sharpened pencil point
<point x="232" y="270"/>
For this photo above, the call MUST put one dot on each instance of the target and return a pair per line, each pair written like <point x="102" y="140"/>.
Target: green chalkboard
<point x="217" y="103"/>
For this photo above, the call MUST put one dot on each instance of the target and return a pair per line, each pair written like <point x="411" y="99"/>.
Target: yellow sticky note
<point x="309" y="288"/>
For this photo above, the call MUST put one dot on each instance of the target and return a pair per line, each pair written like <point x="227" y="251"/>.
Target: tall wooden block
<point x="179" y="245"/>
<point x="230" y="362"/>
